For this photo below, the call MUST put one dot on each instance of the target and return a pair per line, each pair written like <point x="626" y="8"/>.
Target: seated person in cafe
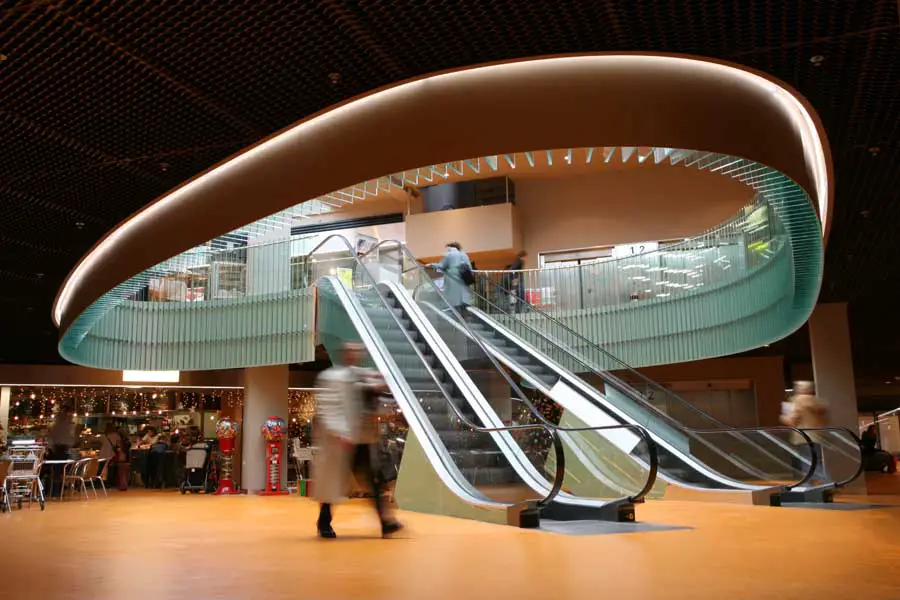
<point x="151" y="436"/>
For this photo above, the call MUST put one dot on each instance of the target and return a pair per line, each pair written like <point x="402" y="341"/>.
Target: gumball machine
<point x="273" y="431"/>
<point x="226" y="431"/>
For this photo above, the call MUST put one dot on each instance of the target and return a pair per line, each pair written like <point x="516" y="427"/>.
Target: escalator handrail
<point x="594" y="346"/>
<point x="856" y="439"/>
<point x="698" y="435"/>
<point x="653" y="456"/>
<point x="625" y="387"/>
<point x="633" y="394"/>
<point x="559" y="475"/>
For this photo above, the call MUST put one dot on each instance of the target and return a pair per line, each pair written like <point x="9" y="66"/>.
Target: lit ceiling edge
<point x="813" y="147"/>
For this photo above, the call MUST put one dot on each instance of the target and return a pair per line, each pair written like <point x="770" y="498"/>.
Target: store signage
<point x="151" y="376"/>
<point x="634" y="249"/>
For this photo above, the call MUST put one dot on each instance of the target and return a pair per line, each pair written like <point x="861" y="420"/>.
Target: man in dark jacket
<point x="516" y="281"/>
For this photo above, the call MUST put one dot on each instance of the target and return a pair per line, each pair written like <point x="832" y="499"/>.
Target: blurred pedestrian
<point x="347" y="437"/>
<point x="806" y="412"/>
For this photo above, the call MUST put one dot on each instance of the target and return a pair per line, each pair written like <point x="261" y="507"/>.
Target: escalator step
<point x="490" y="475"/>
<point x="467" y="459"/>
<point x="466" y="440"/>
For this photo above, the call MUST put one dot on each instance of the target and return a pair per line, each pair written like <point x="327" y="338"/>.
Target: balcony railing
<point x="699" y="264"/>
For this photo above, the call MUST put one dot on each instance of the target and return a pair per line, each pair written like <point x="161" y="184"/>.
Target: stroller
<point x="196" y="469"/>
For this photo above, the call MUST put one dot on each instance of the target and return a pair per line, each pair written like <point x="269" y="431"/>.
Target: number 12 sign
<point x="634" y="249"/>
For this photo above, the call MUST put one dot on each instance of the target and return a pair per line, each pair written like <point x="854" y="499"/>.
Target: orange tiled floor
<point x="162" y="545"/>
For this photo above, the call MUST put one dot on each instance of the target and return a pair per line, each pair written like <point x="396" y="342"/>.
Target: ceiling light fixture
<point x="817" y="60"/>
<point x="813" y="147"/>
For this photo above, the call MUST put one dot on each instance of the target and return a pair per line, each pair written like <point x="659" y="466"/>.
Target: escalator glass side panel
<point x="526" y="443"/>
<point x="839" y="455"/>
<point x="475" y="456"/>
<point x="600" y="368"/>
<point x="714" y="458"/>
<point x="490" y="392"/>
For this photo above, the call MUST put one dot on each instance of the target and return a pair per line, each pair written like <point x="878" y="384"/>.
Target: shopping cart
<point x="23" y="480"/>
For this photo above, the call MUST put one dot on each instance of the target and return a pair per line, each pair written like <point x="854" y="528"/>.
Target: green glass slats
<point x="720" y="307"/>
<point x="231" y="333"/>
<point x="703" y="325"/>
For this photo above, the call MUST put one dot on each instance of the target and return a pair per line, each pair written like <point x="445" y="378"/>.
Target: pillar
<point x="829" y="337"/>
<point x="5" y="394"/>
<point x="265" y="395"/>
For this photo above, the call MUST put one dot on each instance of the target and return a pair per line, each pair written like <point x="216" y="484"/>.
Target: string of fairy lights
<point x="36" y="407"/>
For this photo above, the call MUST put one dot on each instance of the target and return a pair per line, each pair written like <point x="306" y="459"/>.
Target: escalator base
<point x="530" y="519"/>
<point x="823" y="496"/>
<point x="616" y="512"/>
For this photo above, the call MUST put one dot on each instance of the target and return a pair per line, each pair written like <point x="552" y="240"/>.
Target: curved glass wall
<point x="747" y="282"/>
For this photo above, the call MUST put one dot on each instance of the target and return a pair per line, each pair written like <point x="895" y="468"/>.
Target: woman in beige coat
<point x="346" y="437"/>
<point x="806" y="412"/>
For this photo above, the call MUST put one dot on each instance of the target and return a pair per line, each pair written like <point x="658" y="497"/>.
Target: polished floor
<point x="163" y="545"/>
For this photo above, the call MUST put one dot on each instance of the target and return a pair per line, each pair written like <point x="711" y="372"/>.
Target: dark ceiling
<point x="106" y="104"/>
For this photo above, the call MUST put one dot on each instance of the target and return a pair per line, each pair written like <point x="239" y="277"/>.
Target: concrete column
<point x="265" y="395"/>
<point x="5" y="394"/>
<point x="829" y="337"/>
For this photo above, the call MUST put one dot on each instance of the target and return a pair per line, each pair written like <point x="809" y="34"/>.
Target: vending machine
<point x="227" y="430"/>
<point x="273" y="432"/>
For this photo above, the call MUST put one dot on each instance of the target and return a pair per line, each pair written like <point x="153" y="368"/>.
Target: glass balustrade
<point x="699" y="264"/>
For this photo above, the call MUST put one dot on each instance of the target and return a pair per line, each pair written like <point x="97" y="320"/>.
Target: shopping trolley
<point x="23" y="479"/>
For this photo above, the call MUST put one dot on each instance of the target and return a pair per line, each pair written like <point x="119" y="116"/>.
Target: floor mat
<point x="604" y="527"/>
<point x="837" y="505"/>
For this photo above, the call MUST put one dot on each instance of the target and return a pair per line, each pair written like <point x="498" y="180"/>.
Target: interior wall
<point x="478" y="229"/>
<point x="619" y="206"/>
<point x="765" y="372"/>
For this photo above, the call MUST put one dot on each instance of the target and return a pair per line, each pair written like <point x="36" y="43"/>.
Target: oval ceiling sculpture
<point x="552" y="102"/>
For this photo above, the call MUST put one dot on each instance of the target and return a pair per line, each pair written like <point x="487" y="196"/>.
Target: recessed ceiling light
<point x="79" y="225"/>
<point x="817" y="60"/>
<point x="874" y="150"/>
<point x="335" y="78"/>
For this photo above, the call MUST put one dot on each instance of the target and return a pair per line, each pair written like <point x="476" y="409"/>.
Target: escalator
<point x="760" y="464"/>
<point x="479" y="466"/>
<point x="700" y="453"/>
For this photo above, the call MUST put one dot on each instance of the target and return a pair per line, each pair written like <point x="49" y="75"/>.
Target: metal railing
<point x="701" y="263"/>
